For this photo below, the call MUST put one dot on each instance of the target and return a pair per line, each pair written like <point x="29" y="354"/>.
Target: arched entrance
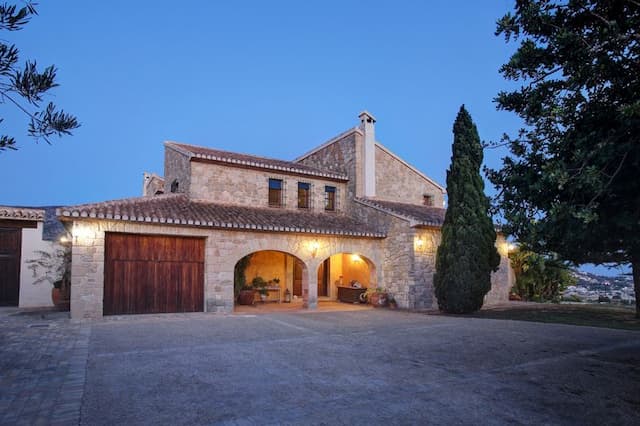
<point x="344" y="270"/>
<point x="271" y="275"/>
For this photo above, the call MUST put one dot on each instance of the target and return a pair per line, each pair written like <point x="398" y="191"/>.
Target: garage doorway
<point x="153" y="274"/>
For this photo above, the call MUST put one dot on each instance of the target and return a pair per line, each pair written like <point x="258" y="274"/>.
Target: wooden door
<point x="153" y="274"/>
<point x="297" y="278"/>
<point x="10" y="246"/>
<point x="323" y="278"/>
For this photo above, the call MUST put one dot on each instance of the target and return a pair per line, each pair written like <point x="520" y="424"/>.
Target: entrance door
<point x="10" y="245"/>
<point x="297" y="278"/>
<point x="323" y="278"/>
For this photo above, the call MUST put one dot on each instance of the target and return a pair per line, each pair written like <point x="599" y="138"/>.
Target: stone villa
<point x="349" y="210"/>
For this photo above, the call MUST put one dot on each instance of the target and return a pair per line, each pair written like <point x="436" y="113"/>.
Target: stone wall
<point x="409" y="261"/>
<point x="425" y="242"/>
<point x="503" y="279"/>
<point x="399" y="182"/>
<point x="224" y="184"/>
<point x="222" y="251"/>
<point x="177" y="168"/>
<point x="342" y="156"/>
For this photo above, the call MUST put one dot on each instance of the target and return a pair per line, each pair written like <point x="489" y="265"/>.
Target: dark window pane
<point x="303" y="195"/>
<point x="275" y="192"/>
<point x="329" y="198"/>
<point x="275" y="184"/>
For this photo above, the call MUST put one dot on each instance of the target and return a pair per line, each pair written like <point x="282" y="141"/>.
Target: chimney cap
<point x="366" y="115"/>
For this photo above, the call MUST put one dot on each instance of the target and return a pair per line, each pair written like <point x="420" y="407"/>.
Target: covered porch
<point x="280" y="278"/>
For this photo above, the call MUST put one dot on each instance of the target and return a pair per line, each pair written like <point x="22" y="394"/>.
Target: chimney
<point x="367" y="125"/>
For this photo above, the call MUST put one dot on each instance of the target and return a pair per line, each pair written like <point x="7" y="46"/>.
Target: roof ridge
<point x="180" y="210"/>
<point x="22" y="213"/>
<point x="327" y="143"/>
<point x="412" y="217"/>
<point x="251" y="160"/>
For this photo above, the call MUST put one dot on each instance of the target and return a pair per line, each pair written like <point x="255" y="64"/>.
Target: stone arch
<point x="279" y="268"/>
<point x="343" y="268"/>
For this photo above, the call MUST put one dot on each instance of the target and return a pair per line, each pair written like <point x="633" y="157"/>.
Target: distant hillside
<point x="600" y="289"/>
<point x="598" y="282"/>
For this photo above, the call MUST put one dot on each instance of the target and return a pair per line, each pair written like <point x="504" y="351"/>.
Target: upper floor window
<point x="330" y="198"/>
<point x="275" y="192"/>
<point x="303" y="195"/>
<point x="428" y="200"/>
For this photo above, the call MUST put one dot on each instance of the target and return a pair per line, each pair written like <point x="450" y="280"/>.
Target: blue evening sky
<point x="270" y="78"/>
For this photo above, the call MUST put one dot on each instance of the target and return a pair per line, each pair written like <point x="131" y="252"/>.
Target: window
<point x="427" y="200"/>
<point x="275" y="192"/>
<point x="330" y="198"/>
<point x="303" y="195"/>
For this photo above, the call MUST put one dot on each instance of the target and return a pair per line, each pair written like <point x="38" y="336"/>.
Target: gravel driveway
<point x="360" y="367"/>
<point x="368" y="367"/>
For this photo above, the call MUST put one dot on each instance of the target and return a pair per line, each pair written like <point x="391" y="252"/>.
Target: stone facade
<point x="223" y="249"/>
<point x="177" y="171"/>
<point x="398" y="181"/>
<point x="225" y="184"/>
<point x="343" y="155"/>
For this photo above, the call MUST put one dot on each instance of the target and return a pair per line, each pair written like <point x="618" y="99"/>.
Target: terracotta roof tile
<point x="178" y="209"/>
<point x="244" y="160"/>
<point x="419" y="214"/>
<point x="21" y="213"/>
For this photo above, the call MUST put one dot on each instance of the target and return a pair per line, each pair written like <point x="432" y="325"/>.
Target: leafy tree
<point x="570" y="184"/>
<point x="24" y="87"/>
<point x="467" y="254"/>
<point x="539" y="277"/>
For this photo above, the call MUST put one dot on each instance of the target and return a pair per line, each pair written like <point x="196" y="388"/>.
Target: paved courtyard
<point x="354" y="367"/>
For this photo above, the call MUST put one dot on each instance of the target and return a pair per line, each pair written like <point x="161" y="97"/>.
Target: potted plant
<point x="261" y="285"/>
<point x="56" y="269"/>
<point x="392" y="302"/>
<point x="377" y="296"/>
<point x="244" y="292"/>
<point x="246" y="295"/>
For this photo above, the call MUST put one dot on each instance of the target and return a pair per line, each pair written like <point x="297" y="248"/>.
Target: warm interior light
<point x="355" y="258"/>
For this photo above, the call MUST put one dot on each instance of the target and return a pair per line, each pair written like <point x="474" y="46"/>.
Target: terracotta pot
<point x="246" y="297"/>
<point x="379" y="300"/>
<point x="60" y="300"/>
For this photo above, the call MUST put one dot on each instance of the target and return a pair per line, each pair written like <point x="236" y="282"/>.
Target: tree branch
<point x="615" y="173"/>
<point x="33" y="117"/>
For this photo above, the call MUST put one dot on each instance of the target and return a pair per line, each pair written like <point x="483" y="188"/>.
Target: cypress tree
<point x="467" y="254"/>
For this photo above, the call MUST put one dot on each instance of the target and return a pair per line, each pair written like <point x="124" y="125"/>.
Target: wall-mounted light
<point x="313" y="247"/>
<point x="420" y="243"/>
<point x="82" y="234"/>
<point x="356" y="258"/>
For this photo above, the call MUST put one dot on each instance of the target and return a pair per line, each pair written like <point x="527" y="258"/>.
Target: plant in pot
<point x="378" y="296"/>
<point x="244" y="292"/>
<point x="54" y="267"/>
<point x="393" y="304"/>
<point x="261" y="285"/>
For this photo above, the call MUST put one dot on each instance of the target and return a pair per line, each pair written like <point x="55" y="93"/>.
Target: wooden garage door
<point x="153" y="274"/>
<point x="10" y="245"/>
